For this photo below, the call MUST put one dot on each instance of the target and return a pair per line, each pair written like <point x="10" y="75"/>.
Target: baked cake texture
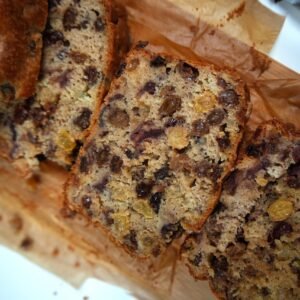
<point x="78" y="58"/>
<point x="166" y="136"/>
<point x="22" y="22"/>
<point x="250" y="246"/>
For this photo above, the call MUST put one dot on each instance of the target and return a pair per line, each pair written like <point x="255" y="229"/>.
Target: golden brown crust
<point x="21" y="43"/>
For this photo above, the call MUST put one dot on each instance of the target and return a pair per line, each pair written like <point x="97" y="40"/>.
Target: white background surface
<point x="22" y="280"/>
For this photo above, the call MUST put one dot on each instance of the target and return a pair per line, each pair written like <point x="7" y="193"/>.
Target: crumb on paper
<point x="16" y="223"/>
<point x="26" y="243"/>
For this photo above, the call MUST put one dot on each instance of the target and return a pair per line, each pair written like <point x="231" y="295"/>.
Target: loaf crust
<point x="22" y="22"/>
<point x="81" y="48"/>
<point x="249" y="247"/>
<point x="153" y="164"/>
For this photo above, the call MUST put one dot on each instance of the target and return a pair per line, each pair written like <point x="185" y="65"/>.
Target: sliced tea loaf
<point x="249" y="247"/>
<point x="166" y="136"/>
<point x="78" y="56"/>
<point x="22" y="22"/>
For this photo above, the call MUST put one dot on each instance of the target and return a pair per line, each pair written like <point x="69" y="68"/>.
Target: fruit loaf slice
<point x="22" y="22"/>
<point x="78" y="57"/>
<point x="166" y="136"/>
<point x="250" y="246"/>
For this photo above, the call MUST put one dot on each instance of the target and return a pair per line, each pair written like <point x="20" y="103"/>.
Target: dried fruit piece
<point x="187" y="71"/>
<point x="118" y="117"/>
<point x="280" y="210"/>
<point x="171" y="104"/>
<point x="143" y="208"/>
<point x="65" y="141"/>
<point x="228" y="98"/>
<point x="83" y="120"/>
<point x="121" y="221"/>
<point x="155" y="201"/>
<point x="116" y="164"/>
<point x="205" y="102"/>
<point x="178" y="137"/>
<point x="143" y="189"/>
<point x="261" y="181"/>
<point x="170" y="232"/>
<point x="200" y="128"/>
<point x="216" y="116"/>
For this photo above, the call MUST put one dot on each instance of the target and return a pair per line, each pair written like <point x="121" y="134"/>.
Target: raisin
<point x="99" y="25"/>
<point x="293" y="176"/>
<point x="86" y="201"/>
<point x="167" y="90"/>
<point x="145" y="131"/>
<point x="100" y="186"/>
<point x="116" y="164"/>
<point x="52" y="37"/>
<point x="83" y="120"/>
<point x="103" y="156"/>
<point x="170" y="105"/>
<point x="7" y="92"/>
<point x="162" y="173"/>
<point x="187" y="71"/>
<point x="84" y="165"/>
<point x="138" y="173"/>
<point x="200" y="128"/>
<point x="133" y="64"/>
<point x="130" y="154"/>
<point x="143" y="189"/>
<point x="69" y="18"/>
<point x="78" y="57"/>
<point x="155" y="201"/>
<point x="279" y="229"/>
<point x="219" y="265"/>
<point x="130" y="240"/>
<point x="118" y="118"/>
<point x="38" y="116"/>
<point x="224" y="142"/>
<point x="231" y="182"/>
<point x="20" y="114"/>
<point x="265" y="291"/>
<point x="149" y="87"/>
<point x="222" y="83"/>
<point x="53" y="3"/>
<point x="228" y="98"/>
<point x="107" y="217"/>
<point x="170" y="232"/>
<point x="213" y="230"/>
<point x="63" y="79"/>
<point x="141" y="44"/>
<point x="196" y="260"/>
<point x="240" y="236"/>
<point x="116" y="97"/>
<point x="91" y="75"/>
<point x="215" y="117"/>
<point x="254" y="150"/>
<point x="121" y="69"/>
<point x="158" y="61"/>
<point x="171" y="122"/>
<point x="296" y="154"/>
<point x="206" y="169"/>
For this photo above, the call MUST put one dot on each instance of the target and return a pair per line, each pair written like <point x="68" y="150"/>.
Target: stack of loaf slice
<point x="78" y="56"/>
<point x="166" y="136"/>
<point x="250" y="246"/>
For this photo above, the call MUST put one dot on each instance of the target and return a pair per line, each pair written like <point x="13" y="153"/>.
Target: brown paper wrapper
<point x="223" y="32"/>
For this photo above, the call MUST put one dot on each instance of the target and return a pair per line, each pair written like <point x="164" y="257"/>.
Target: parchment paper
<point x="223" y="32"/>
